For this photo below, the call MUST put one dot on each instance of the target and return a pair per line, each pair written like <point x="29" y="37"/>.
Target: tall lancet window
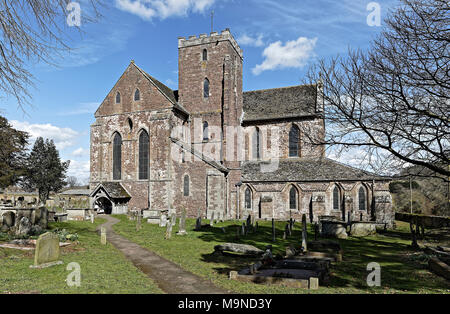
<point x="248" y="198"/>
<point x="144" y="143"/>
<point x="293" y="198"/>
<point x="117" y="157"/>
<point x="257" y="144"/>
<point x="294" y="140"/>
<point x="362" y="199"/>
<point x="118" y="98"/>
<point x="137" y="95"/>
<point x="206" y="88"/>
<point x="336" y="197"/>
<point x="205" y="55"/>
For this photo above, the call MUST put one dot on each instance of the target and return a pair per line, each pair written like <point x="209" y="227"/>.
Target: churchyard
<point x="104" y="269"/>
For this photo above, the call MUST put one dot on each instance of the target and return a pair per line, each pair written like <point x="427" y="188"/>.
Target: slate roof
<point x="280" y="103"/>
<point x="76" y="191"/>
<point x="113" y="189"/>
<point x="306" y="170"/>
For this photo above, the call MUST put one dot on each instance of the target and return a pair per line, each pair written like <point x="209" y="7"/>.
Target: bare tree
<point x="33" y="31"/>
<point x="393" y="100"/>
<point x="72" y="182"/>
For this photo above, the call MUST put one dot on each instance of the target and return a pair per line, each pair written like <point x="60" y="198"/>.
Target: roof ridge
<point x="277" y="88"/>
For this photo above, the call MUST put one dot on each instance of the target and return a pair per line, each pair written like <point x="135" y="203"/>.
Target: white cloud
<point x="80" y="170"/>
<point x="82" y="108"/>
<point x="293" y="54"/>
<point x="80" y="152"/>
<point x="246" y="40"/>
<point x="149" y="9"/>
<point x="63" y="137"/>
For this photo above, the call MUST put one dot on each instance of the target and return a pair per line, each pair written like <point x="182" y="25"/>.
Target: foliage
<point x="65" y="235"/>
<point x="392" y="100"/>
<point x="45" y="171"/>
<point x="12" y="153"/>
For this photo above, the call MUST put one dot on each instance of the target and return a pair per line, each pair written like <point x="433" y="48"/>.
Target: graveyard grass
<point x="103" y="268"/>
<point x="403" y="270"/>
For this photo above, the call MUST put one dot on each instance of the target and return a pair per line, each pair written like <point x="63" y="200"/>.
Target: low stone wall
<point x="78" y="214"/>
<point x="24" y="221"/>
<point x="424" y="220"/>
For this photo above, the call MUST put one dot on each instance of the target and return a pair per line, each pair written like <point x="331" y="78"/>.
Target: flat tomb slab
<point x="304" y="279"/>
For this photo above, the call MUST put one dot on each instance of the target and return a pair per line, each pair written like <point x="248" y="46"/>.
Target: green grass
<point x="402" y="270"/>
<point x="103" y="268"/>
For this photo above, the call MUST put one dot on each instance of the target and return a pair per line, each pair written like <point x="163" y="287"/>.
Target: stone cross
<point x="103" y="235"/>
<point x="304" y="234"/>
<point x="182" y="227"/>
<point x="47" y="251"/>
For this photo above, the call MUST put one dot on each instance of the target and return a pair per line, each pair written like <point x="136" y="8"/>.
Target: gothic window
<point x="205" y="55"/>
<point x="144" y="143"/>
<point x="186" y="185"/>
<point x="362" y="198"/>
<point x="336" y="197"/>
<point x="206" y="88"/>
<point x="293" y="198"/>
<point x="117" y="157"/>
<point x="248" y="198"/>
<point x="205" y="131"/>
<point x="294" y="141"/>
<point x="257" y="144"/>
<point x="137" y="95"/>
<point x="130" y="124"/>
<point x="118" y="98"/>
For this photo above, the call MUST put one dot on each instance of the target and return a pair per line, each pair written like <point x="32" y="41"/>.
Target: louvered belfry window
<point x="143" y="155"/>
<point x="117" y="157"/>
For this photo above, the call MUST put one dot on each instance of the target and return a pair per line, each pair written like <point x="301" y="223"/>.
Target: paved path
<point x="170" y="277"/>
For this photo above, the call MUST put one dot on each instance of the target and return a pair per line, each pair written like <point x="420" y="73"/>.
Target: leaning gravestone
<point x="47" y="251"/>
<point x="304" y="234"/>
<point x="198" y="224"/>
<point x="182" y="226"/>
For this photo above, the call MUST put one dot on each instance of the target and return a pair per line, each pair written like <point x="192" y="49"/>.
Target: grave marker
<point x="182" y="228"/>
<point x="304" y="234"/>
<point x="47" y="251"/>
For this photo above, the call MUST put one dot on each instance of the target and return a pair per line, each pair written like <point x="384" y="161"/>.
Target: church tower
<point x="210" y="85"/>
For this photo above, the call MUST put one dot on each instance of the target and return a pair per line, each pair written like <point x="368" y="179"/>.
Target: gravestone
<point x="211" y="221"/>
<point x="249" y="220"/>
<point x="47" y="251"/>
<point x="138" y="220"/>
<point x="92" y="218"/>
<point x="287" y="230"/>
<point x="170" y="225"/>
<point x="273" y="230"/>
<point x="163" y="220"/>
<point x="256" y="226"/>
<point x="316" y="231"/>
<point x="103" y="235"/>
<point x="182" y="227"/>
<point x="24" y="227"/>
<point x="304" y="234"/>
<point x="198" y="224"/>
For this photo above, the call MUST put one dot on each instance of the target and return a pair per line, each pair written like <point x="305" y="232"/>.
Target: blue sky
<point x="280" y="40"/>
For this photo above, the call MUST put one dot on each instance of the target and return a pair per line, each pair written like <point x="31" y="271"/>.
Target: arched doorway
<point x="103" y="206"/>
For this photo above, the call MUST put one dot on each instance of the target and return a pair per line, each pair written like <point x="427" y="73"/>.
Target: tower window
<point x="118" y="98"/>
<point x="117" y="157"/>
<point x="206" y="88"/>
<point x="205" y="131"/>
<point x="144" y="142"/>
<point x="137" y="95"/>
<point x="205" y="55"/>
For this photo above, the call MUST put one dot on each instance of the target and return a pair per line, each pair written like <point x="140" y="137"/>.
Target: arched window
<point x="336" y="198"/>
<point x="206" y="88"/>
<point x="205" y="131"/>
<point x="117" y="157"/>
<point x="248" y="198"/>
<point x="362" y="199"/>
<point x="205" y="55"/>
<point x="257" y="144"/>
<point x="186" y="185"/>
<point x="137" y="95"/>
<point x="294" y="140"/>
<point x="293" y="198"/>
<point x="118" y="98"/>
<point x="130" y="124"/>
<point x="144" y="143"/>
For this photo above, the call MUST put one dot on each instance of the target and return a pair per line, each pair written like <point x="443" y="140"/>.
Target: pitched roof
<point x="171" y="95"/>
<point x="306" y="170"/>
<point x="280" y="103"/>
<point x="113" y="189"/>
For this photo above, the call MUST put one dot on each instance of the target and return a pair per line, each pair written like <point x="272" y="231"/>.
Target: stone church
<point x="209" y="147"/>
